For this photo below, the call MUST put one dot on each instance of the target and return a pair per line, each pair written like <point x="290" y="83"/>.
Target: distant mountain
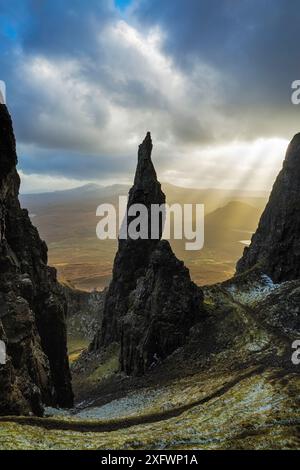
<point x="233" y="222"/>
<point x="89" y="196"/>
<point x="89" y="193"/>
<point x="213" y="198"/>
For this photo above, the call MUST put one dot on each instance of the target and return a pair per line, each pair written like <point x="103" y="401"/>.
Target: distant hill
<point x="233" y="222"/>
<point x="213" y="198"/>
<point x="91" y="195"/>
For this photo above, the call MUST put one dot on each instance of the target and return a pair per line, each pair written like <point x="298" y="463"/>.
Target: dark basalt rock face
<point x="162" y="308"/>
<point x="32" y="304"/>
<point x="151" y="302"/>
<point x="275" y="247"/>
<point x="83" y="312"/>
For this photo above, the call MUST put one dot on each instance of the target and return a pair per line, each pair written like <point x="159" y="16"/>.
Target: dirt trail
<point x="114" y="425"/>
<point x="272" y="331"/>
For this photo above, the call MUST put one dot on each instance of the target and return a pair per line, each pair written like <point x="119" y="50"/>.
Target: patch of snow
<point x="256" y="292"/>
<point x="132" y="404"/>
<point x="50" y="412"/>
<point x="245" y="242"/>
<point x="257" y="346"/>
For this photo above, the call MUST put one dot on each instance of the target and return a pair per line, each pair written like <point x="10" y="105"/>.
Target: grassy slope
<point x="233" y="388"/>
<point x="253" y="413"/>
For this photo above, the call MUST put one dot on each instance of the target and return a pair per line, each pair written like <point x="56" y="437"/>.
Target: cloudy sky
<point x="211" y="80"/>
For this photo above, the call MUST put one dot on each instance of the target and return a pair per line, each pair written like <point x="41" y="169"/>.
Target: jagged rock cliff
<point x="162" y="308"/>
<point x="275" y="247"/>
<point x="32" y="304"/>
<point x="83" y="312"/>
<point x="151" y="302"/>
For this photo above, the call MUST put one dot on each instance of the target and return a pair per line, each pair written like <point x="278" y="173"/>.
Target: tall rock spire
<point x="32" y="306"/>
<point x="145" y="172"/>
<point x="146" y="190"/>
<point x="151" y="302"/>
<point x="275" y="247"/>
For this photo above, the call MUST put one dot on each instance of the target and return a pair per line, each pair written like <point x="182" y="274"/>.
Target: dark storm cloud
<point x="66" y="27"/>
<point x="71" y="164"/>
<point x="255" y="42"/>
<point x="85" y="79"/>
<point x="62" y="32"/>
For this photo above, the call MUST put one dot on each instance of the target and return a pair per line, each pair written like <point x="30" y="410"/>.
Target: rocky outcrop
<point x="132" y="257"/>
<point x="275" y="247"/>
<point x="84" y="312"/>
<point x="32" y="304"/>
<point x="151" y="302"/>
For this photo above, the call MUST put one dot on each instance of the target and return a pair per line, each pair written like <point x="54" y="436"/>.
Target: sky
<point x="211" y="80"/>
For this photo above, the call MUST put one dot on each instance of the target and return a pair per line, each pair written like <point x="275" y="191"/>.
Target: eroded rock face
<point x="151" y="302"/>
<point x="84" y="312"/>
<point x="162" y="308"/>
<point x="32" y="305"/>
<point x="275" y="247"/>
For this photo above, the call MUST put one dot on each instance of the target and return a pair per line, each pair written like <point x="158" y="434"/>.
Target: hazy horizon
<point x="94" y="184"/>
